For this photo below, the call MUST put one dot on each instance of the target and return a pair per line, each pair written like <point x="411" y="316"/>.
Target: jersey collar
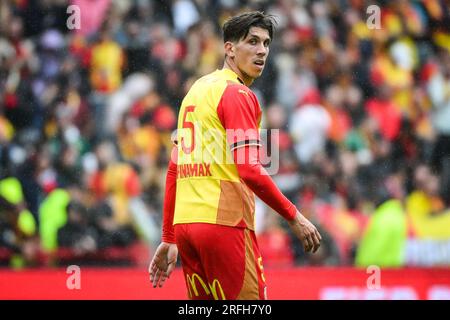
<point x="231" y="75"/>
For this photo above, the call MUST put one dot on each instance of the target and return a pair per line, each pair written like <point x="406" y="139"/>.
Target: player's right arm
<point x="165" y="258"/>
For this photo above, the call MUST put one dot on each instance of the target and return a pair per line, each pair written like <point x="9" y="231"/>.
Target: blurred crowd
<point x="360" y="99"/>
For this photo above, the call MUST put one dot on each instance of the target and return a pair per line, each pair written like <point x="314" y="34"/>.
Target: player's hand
<point x="163" y="263"/>
<point x="306" y="232"/>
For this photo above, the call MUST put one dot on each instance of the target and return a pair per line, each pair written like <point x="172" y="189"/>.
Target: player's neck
<point x="229" y="64"/>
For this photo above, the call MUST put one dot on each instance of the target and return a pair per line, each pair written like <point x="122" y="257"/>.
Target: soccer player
<point x="209" y="203"/>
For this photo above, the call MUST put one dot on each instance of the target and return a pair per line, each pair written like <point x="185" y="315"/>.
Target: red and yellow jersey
<point x="217" y="115"/>
<point x="106" y="66"/>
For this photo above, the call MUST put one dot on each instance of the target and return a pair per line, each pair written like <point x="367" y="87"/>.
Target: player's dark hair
<point x="237" y="27"/>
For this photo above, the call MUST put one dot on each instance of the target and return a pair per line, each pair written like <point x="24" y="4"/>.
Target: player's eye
<point x="253" y="41"/>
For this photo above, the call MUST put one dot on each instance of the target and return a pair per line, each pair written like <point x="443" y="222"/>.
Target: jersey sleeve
<point x="168" y="234"/>
<point x="259" y="181"/>
<point x="240" y="115"/>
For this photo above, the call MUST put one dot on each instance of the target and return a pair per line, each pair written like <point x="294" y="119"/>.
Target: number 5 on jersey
<point x="188" y="125"/>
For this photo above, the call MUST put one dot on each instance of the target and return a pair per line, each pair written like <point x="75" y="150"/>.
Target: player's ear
<point x="229" y="49"/>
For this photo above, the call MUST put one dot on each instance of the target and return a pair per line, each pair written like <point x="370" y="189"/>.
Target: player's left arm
<point x="259" y="181"/>
<point x="240" y="114"/>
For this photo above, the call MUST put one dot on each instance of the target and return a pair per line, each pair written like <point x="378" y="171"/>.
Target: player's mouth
<point x="259" y="63"/>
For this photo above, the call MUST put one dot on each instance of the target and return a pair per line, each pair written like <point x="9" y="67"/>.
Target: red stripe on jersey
<point x="240" y="114"/>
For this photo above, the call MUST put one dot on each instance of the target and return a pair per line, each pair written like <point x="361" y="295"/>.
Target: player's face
<point x="250" y="54"/>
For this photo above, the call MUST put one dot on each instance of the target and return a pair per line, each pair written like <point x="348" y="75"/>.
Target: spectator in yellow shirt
<point x="107" y="60"/>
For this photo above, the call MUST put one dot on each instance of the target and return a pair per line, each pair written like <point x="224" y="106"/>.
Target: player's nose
<point x="261" y="50"/>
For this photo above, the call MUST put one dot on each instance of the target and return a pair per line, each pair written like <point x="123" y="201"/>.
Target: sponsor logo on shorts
<point x="214" y="288"/>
